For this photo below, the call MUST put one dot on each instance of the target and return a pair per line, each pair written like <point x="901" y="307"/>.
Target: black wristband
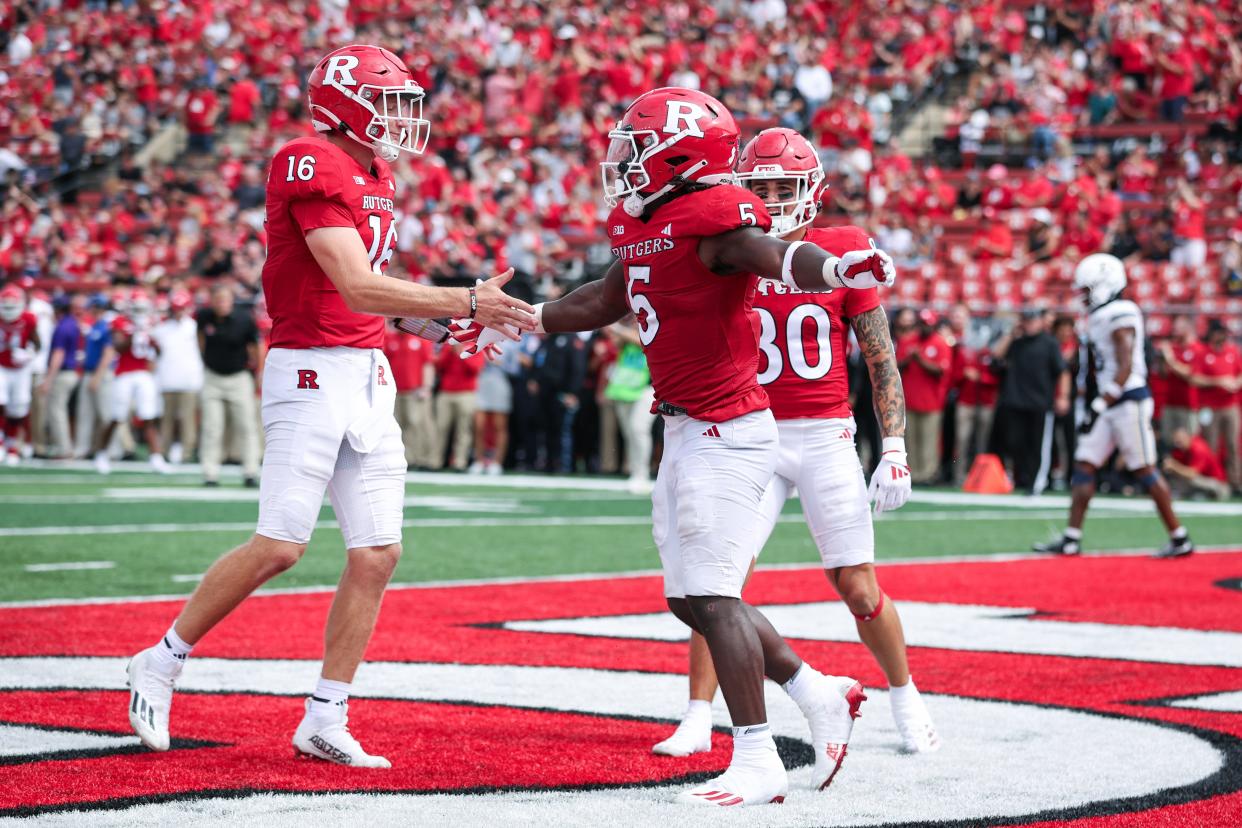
<point x="474" y="302"/>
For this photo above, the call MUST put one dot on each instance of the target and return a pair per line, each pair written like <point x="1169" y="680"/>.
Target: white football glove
<point x="22" y="356"/>
<point x="862" y="269"/>
<point x="476" y="339"/>
<point x="890" y="482"/>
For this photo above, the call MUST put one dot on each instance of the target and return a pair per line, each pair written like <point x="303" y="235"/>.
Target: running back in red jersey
<point x="313" y="184"/>
<point x="697" y="327"/>
<point x="803" y="336"/>
<point x="15" y="337"/>
<point x="139" y="351"/>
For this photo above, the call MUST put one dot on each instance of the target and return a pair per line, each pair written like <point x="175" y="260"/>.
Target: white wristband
<point x="1112" y="390"/>
<point x="787" y="266"/>
<point x="893" y="444"/>
<point x="831" y="278"/>
<point x="539" y="329"/>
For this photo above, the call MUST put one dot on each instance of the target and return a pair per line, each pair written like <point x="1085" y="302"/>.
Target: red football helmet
<point x="12" y="303"/>
<point x="668" y="137"/>
<point x="367" y="93"/>
<point x="139" y="306"/>
<point x="781" y="154"/>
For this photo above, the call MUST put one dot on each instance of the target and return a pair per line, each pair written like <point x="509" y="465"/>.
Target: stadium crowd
<point x="1070" y="128"/>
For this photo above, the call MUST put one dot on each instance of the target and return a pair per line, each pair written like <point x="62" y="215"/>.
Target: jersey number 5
<point x="794" y="343"/>
<point x="648" y="322"/>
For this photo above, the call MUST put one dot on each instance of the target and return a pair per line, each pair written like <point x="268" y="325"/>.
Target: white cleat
<point x="150" y="699"/>
<point x="832" y="722"/>
<point x="918" y="734"/>
<point x="741" y="786"/>
<point x="689" y="737"/>
<point x="12" y="458"/>
<point x="159" y="465"/>
<point x="330" y="740"/>
<point x="102" y="464"/>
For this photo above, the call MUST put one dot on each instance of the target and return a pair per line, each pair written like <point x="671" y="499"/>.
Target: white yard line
<point x="999" y="557"/>
<point x="495" y="522"/>
<point x="69" y="566"/>
<point x="187" y="579"/>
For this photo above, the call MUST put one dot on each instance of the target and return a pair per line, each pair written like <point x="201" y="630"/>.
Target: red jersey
<point x="408" y="355"/>
<point x="803" y="336"/>
<point x="16" y="335"/>
<point x="458" y="375"/>
<point x="925" y="391"/>
<point x="980" y="389"/>
<point x="697" y="328"/>
<point x="1181" y="393"/>
<point x="311" y="184"/>
<point x="1200" y="457"/>
<point x="1227" y="362"/>
<point x="139" y="353"/>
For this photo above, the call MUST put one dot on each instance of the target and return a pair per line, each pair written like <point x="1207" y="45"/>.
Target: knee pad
<point x="1079" y="477"/>
<point x="875" y="613"/>
<point x="1148" y="481"/>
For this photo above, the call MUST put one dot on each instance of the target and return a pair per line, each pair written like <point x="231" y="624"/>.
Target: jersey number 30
<point x="794" y="343"/>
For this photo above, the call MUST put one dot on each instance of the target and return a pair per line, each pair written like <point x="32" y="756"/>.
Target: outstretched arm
<point x="594" y="305"/>
<point x="800" y="264"/>
<point x="889" y="398"/>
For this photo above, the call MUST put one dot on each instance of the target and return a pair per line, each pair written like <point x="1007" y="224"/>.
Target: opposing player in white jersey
<point x="328" y="391"/>
<point x="1120" y="415"/>
<point x="803" y="369"/>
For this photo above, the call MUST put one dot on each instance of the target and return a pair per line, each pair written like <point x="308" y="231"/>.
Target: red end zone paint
<point x="456" y="747"/>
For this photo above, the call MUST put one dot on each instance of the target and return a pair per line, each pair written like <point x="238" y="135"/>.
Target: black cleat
<point x="1060" y="546"/>
<point x="251" y="483"/>
<point x="1176" y="548"/>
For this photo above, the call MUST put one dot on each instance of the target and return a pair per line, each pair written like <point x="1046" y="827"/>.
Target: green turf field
<point x="151" y="535"/>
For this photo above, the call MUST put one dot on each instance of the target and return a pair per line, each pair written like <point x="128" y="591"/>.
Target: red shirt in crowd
<point x="925" y="391"/>
<point x="458" y="375"/>
<point x="139" y="353"/>
<point x="1225" y="362"/>
<point x="408" y="356"/>
<point x="980" y="388"/>
<point x="1181" y="83"/>
<point x="1182" y="393"/>
<point x="1200" y="457"/>
<point x="201" y="108"/>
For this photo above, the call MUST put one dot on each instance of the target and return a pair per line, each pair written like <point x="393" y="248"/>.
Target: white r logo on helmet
<point x="341" y="67"/>
<point x="684" y="112"/>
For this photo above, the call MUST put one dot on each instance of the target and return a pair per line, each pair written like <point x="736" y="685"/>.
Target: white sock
<point x="328" y="697"/>
<point x="1179" y="534"/>
<point x="699" y="714"/>
<point x="753" y="746"/>
<point x="802" y="686"/>
<point x="903" y="696"/>
<point x="172" y="651"/>
<point x="1073" y="534"/>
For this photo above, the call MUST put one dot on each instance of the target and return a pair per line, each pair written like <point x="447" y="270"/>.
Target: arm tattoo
<point x="871" y="328"/>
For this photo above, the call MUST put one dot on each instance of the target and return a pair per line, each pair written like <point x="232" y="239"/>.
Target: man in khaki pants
<point x="64" y="374"/>
<point x="179" y="375"/>
<point x="459" y="385"/>
<point x="414" y="373"/>
<point x="229" y="342"/>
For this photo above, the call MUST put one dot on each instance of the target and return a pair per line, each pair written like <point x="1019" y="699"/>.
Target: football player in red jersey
<point x="803" y="341"/>
<point x="19" y="344"/>
<point x="133" y="387"/>
<point x="687" y="241"/>
<point x="328" y="391"/>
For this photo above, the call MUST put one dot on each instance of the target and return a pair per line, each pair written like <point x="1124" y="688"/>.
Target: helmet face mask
<point x="624" y="172"/>
<point x="12" y="303"/>
<point x="790" y="196"/>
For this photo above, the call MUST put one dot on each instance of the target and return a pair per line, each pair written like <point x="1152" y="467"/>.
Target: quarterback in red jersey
<point x="19" y="345"/>
<point x="803" y="339"/>
<point x="328" y="390"/>
<point x="133" y="389"/>
<point x="687" y="241"/>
